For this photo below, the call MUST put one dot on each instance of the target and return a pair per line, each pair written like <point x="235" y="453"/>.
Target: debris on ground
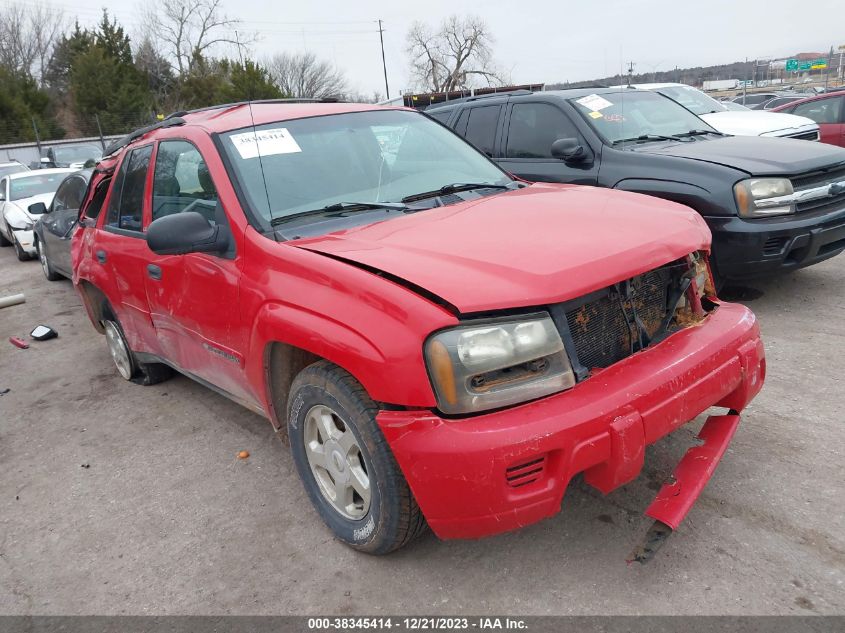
<point x="3" y="392"/>
<point x="18" y="342"/>
<point x="43" y="333"/>
<point x="243" y="454"/>
<point x="12" y="300"/>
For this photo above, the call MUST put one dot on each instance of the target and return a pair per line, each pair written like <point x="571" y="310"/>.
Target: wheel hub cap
<point x="118" y="350"/>
<point x="337" y="462"/>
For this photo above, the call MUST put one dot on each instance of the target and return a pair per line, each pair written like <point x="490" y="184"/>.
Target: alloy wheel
<point x="337" y="463"/>
<point x="118" y="350"/>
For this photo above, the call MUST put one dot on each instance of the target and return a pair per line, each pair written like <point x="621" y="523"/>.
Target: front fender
<point x="698" y="198"/>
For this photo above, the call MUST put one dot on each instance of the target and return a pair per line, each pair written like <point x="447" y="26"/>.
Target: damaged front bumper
<point x="496" y="472"/>
<point x="26" y="239"/>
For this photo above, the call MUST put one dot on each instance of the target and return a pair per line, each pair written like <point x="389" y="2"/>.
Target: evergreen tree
<point x="106" y="83"/>
<point x="23" y="103"/>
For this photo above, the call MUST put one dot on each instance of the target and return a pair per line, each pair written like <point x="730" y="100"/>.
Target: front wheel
<point x="22" y="255"/>
<point x="49" y="273"/>
<point x="345" y="464"/>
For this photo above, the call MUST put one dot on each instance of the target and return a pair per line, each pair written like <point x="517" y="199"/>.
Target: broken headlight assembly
<point x="764" y="197"/>
<point x="497" y="363"/>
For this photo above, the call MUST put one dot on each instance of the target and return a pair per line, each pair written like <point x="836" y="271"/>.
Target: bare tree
<point x="453" y="56"/>
<point x="187" y="29"/>
<point x="303" y="75"/>
<point x="28" y="34"/>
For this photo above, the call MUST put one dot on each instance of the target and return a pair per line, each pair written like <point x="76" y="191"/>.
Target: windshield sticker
<point x="596" y="115"/>
<point x="594" y="102"/>
<point x="265" y="142"/>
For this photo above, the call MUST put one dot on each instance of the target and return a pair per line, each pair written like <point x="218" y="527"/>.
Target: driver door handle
<point x="101" y="256"/>
<point x="154" y="272"/>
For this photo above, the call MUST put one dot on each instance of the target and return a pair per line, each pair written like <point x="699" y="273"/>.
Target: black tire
<point x="393" y="518"/>
<point x="3" y="241"/>
<point x="22" y="255"/>
<point x="138" y="372"/>
<point x="46" y="267"/>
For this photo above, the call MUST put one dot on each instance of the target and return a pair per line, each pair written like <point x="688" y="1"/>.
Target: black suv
<point x="772" y="204"/>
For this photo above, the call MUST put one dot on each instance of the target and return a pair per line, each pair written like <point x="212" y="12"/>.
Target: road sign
<point x="793" y="65"/>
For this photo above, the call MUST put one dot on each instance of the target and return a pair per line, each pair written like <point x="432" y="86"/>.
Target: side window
<point x="182" y="182"/>
<point x="441" y="114"/>
<point x="534" y="127"/>
<point x="481" y="127"/>
<point x="461" y="123"/>
<point x="69" y="194"/>
<point x="126" y="205"/>
<point x="821" y="110"/>
<point x="96" y="204"/>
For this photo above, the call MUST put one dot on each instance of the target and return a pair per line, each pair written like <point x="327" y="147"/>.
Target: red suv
<point x="443" y="344"/>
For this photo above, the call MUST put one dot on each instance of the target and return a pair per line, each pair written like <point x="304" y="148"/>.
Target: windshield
<point x="14" y="168"/>
<point x="693" y="100"/>
<point x="618" y="116"/>
<point x="76" y="153"/>
<point x="28" y="186"/>
<point x="363" y="157"/>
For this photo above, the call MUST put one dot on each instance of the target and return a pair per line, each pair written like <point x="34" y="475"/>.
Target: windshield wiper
<point x="341" y="206"/>
<point x="453" y="188"/>
<point x="648" y="137"/>
<point x="698" y="132"/>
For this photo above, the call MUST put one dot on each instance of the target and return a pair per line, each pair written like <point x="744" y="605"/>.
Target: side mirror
<point x="569" y="150"/>
<point x="38" y="208"/>
<point x="187" y="232"/>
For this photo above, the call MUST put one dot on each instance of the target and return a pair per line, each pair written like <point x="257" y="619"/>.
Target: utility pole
<point x="827" y="70"/>
<point x="630" y="72"/>
<point x="745" y="83"/>
<point x="383" y="62"/>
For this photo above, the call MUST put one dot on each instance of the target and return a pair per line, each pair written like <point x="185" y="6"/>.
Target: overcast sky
<point x="537" y="41"/>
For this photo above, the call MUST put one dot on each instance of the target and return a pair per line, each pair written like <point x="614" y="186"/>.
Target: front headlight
<point x="764" y="197"/>
<point x="497" y="363"/>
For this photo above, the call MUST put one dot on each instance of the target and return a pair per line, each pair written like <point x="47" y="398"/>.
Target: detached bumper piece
<point x="678" y="495"/>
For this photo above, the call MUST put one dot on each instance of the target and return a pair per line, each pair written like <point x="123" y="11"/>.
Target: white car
<point x="733" y="122"/>
<point x="17" y="192"/>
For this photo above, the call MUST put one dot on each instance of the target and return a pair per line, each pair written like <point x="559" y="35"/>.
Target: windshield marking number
<point x="265" y="143"/>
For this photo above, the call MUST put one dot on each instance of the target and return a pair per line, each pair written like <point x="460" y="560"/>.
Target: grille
<point x="603" y="329"/>
<point x="525" y="473"/>
<point x="816" y="178"/>
<point x="805" y="136"/>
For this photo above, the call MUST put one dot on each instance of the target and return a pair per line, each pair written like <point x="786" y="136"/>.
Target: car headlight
<point x="764" y="197"/>
<point x="497" y="363"/>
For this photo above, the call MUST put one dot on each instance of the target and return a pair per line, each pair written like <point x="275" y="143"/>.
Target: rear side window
<point x="69" y="194"/>
<point x="822" y="110"/>
<point x="534" y="127"/>
<point x="481" y="127"/>
<point x="96" y="204"/>
<point x="441" y="114"/>
<point x="126" y="205"/>
<point x="182" y="182"/>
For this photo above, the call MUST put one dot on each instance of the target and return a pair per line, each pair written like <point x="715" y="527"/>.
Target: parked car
<point x="769" y="202"/>
<point x="12" y="167"/>
<point x="55" y="225"/>
<point x="779" y="101"/>
<point x="724" y="119"/>
<point x="18" y="192"/>
<point x="826" y="109"/>
<point x="759" y="100"/>
<point x="77" y="155"/>
<point x="440" y="341"/>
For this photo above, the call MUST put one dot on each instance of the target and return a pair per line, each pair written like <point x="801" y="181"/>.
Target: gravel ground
<point x="121" y="499"/>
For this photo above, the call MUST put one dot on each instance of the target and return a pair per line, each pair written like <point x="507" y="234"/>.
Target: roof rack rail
<point x="175" y="118"/>
<point x="235" y="104"/>
<point x="122" y="142"/>
<point x="490" y="95"/>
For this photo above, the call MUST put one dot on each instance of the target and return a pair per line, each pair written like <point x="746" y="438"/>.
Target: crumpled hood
<point x="538" y="245"/>
<point x="756" y="123"/>
<point x="23" y="203"/>
<point x="756" y="156"/>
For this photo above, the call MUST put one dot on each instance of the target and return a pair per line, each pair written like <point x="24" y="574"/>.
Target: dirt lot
<point x="116" y="498"/>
